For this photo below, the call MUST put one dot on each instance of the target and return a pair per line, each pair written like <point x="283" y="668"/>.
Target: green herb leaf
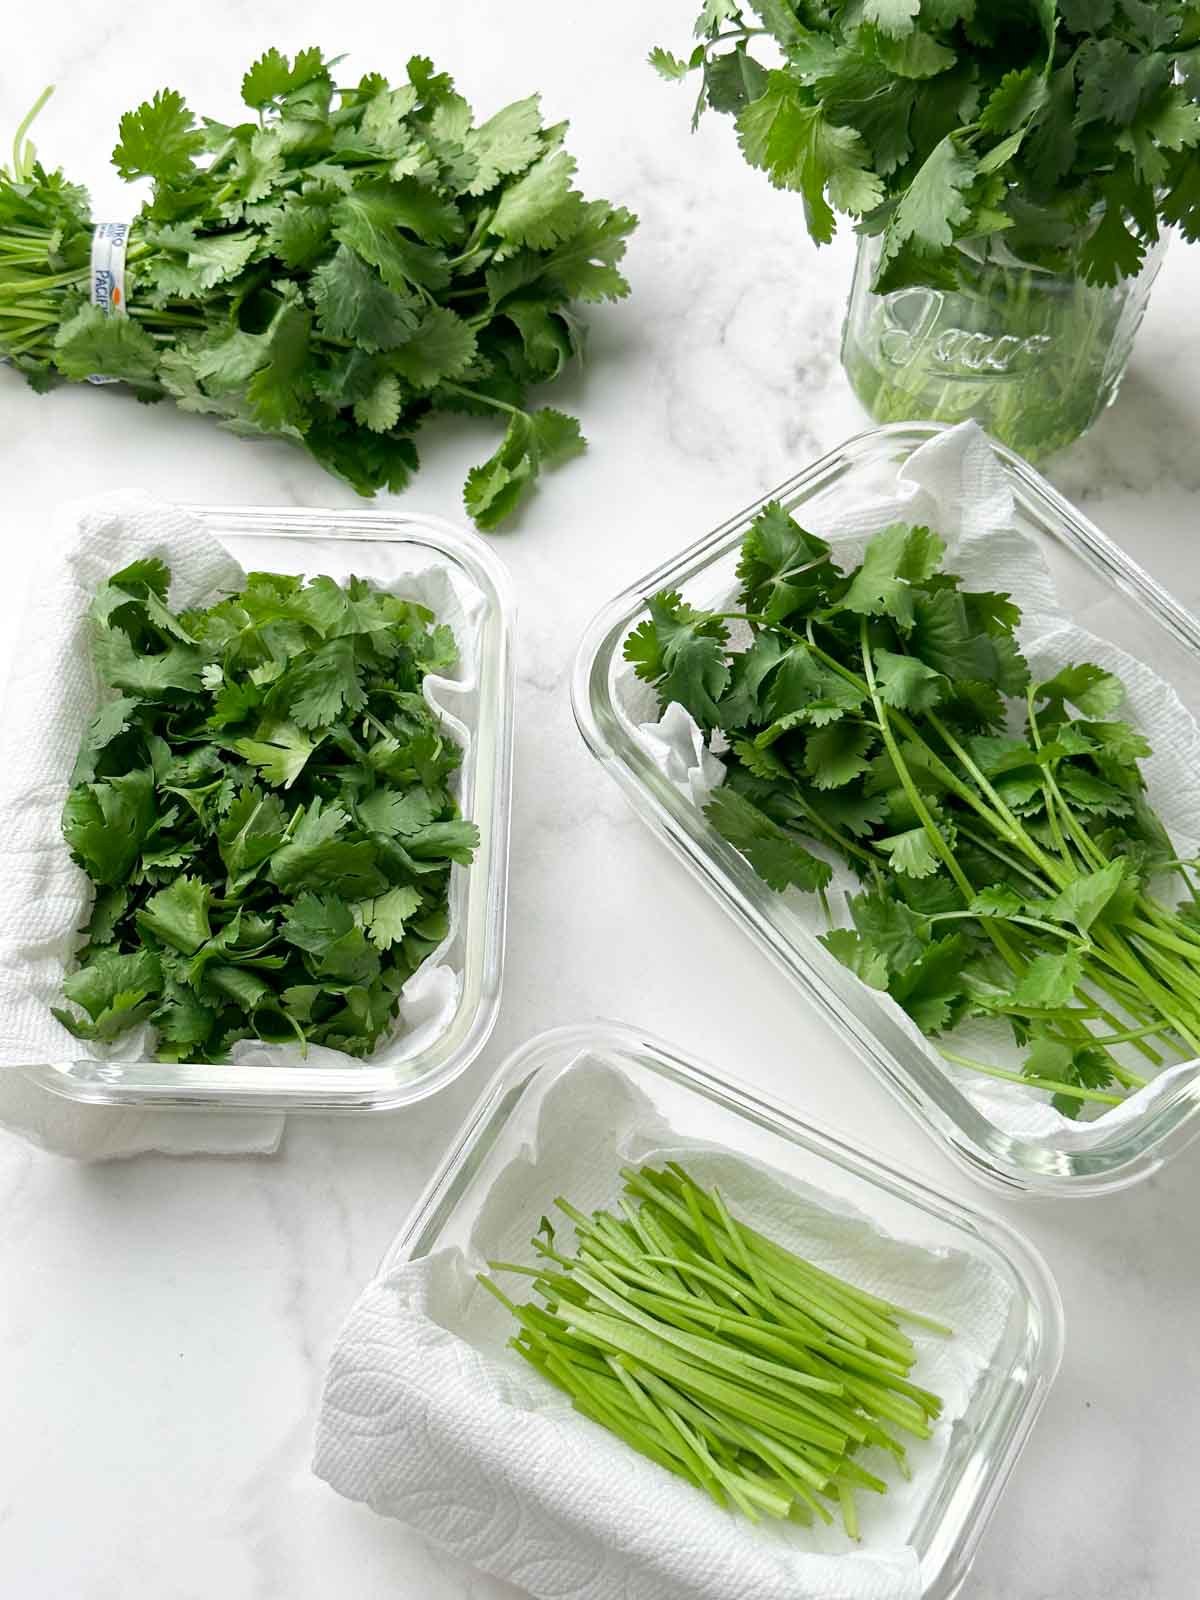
<point x="777" y="856"/>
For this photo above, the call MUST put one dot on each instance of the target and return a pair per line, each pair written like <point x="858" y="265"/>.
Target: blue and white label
<point x="109" y="242"/>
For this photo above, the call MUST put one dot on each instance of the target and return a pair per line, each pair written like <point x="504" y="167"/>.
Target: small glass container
<point x="1094" y="578"/>
<point x="701" y="1104"/>
<point x="1034" y="356"/>
<point x="380" y="545"/>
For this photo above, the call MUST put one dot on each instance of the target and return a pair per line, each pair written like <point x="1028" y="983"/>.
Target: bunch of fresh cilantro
<point x="332" y="270"/>
<point x="1011" y="875"/>
<point x="1069" y="126"/>
<point x="262" y="803"/>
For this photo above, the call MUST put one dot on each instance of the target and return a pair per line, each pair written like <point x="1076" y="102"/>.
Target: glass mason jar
<point x="1034" y="356"/>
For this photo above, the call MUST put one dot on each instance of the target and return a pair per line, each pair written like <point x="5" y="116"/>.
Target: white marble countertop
<point x="164" y="1323"/>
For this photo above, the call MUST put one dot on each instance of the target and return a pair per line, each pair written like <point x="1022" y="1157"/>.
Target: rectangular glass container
<point x="1090" y="573"/>
<point x="703" y="1105"/>
<point x="342" y="543"/>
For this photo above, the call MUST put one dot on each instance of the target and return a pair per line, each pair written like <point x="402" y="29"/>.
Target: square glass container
<point x="1091" y="574"/>
<point x="375" y="544"/>
<point x="703" y="1105"/>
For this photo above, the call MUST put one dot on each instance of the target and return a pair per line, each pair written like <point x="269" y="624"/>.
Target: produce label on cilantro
<point x="264" y="801"/>
<point x="332" y="270"/>
<point x="997" y="859"/>
<point x="109" y="243"/>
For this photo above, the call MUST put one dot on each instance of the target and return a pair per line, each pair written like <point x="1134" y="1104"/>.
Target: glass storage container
<point x="703" y="1104"/>
<point x="379" y="545"/>
<point x="1090" y="574"/>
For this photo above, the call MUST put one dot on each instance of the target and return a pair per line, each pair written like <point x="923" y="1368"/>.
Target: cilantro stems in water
<point x="1009" y="877"/>
<point x="263" y="802"/>
<point x="347" y="261"/>
<point x="721" y="1355"/>
<point x="1011" y="171"/>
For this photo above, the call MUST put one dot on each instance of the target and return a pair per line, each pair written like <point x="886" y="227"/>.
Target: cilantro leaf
<point x="441" y="346"/>
<point x="911" y="853"/>
<point x="888" y="924"/>
<point x="106" y="823"/>
<point x="683" y="652"/>
<point x="896" y="560"/>
<point x="384" y="917"/>
<point x="178" y="915"/>
<point x="782" y="568"/>
<point x="1049" y="980"/>
<point x="997" y="900"/>
<point x="893" y="17"/>
<point x="316" y="854"/>
<point x="506" y="143"/>
<point x="749" y="670"/>
<point x="667" y="65"/>
<point x="354" y="303"/>
<point x="935" y="202"/>
<point x="931" y="989"/>
<point x="798" y="149"/>
<point x="804" y="689"/>
<point x="1084" y="900"/>
<point x="541" y="208"/>
<point x="907" y="683"/>
<point x="273" y="76"/>
<point x="835" y="755"/>
<point x="206" y="260"/>
<point x="251" y="831"/>
<point x="279" y="752"/>
<point x="777" y="856"/>
<point x="857" y="953"/>
<point x="159" y="140"/>
<point x="111" y="347"/>
<point x="1089" y="688"/>
<point x="397" y="812"/>
<point x="116" y="991"/>
<point x="533" y="440"/>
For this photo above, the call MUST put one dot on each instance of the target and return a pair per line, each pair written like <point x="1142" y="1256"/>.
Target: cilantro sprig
<point x="1012" y="875"/>
<point x="1069" y="129"/>
<point x="714" y="1351"/>
<point x="340" y="265"/>
<point x="263" y="804"/>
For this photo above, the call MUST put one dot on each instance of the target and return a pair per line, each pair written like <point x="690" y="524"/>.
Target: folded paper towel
<point x="429" y="1418"/>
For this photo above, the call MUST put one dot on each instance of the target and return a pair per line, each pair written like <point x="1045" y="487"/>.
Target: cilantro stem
<point x="1026" y="1078"/>
<point x="21" y="163"/>
<point x="920" y="810"/>
<point x="485" y="399"/>
<point x="760" y="1409"/>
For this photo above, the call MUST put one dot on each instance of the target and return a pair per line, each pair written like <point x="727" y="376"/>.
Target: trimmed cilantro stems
<point x="719" y="1354"/>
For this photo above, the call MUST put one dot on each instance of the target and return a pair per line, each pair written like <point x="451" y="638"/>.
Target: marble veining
<point x="164" y="1323"/>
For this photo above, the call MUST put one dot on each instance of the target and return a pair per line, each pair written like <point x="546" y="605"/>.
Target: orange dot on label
<point x="116" y="297"/>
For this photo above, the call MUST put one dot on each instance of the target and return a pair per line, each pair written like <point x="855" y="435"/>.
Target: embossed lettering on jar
<point x="1035" y="356"/>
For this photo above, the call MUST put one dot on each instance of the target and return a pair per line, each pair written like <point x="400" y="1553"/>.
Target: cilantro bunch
<point x="724" y="1357"/>
<point x="1011" y="867"/>
<point x="334" y="269"/>
<point x="1069" y="127"/>
<point x="262" y="803"/>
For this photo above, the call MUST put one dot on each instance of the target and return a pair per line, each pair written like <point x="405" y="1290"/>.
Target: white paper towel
<point x="52" y="694"/>
<point x="428" y="1417"/>
<point x="956" y="485"/>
